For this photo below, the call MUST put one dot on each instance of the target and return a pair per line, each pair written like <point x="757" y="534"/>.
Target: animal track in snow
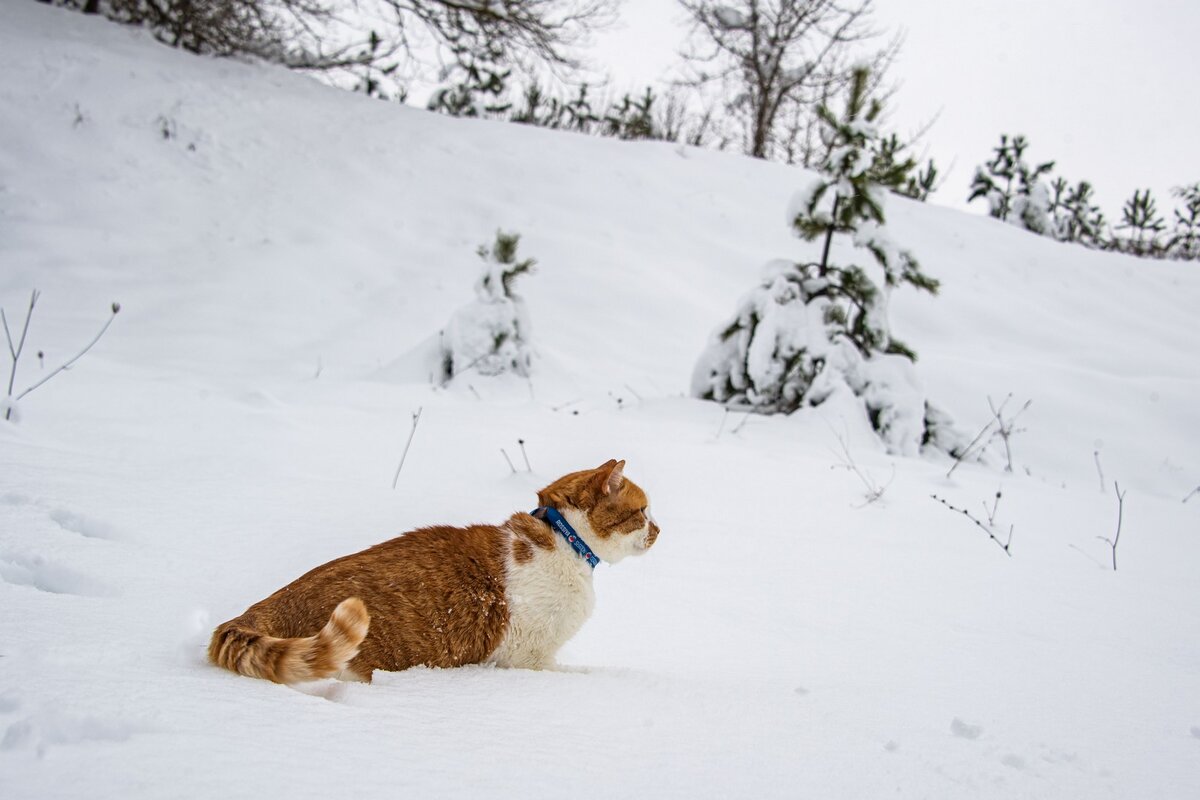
<point x="46" y="576"/>
<point x="63" y="517"/>
<point x="964" y="731"/>
<point x="45" y="729"/>
<point x="78" y="523"/>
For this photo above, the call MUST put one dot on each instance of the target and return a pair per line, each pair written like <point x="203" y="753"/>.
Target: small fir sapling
<point x="809" y="330"/>
<point x="1140" y="217"/>
<point x="476" y="91"/>
<point x="491" y="334"/>
<point x="1012" y="188"/>
<point x="1184" y="242"/>
<point x="1079" y="219"/>
<point x="17" y="348"/>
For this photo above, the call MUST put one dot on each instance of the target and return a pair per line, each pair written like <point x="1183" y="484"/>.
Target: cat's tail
<point x="238" y="647"/>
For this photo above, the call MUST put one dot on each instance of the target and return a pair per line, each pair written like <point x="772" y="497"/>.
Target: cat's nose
<point x="653" y="533"/>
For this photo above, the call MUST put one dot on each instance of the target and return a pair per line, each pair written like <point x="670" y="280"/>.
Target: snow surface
<point x="282" y="252"/>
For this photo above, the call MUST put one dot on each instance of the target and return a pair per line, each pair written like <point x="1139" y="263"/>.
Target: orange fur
<point x="434" y="596"/>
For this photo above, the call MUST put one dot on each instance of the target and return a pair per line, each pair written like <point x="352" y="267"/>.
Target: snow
<point x="287" y="247"/>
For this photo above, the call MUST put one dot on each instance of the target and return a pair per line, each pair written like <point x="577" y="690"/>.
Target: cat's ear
<point x="611" y="476"/>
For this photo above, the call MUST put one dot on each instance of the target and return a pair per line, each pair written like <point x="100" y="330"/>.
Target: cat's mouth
<point x="651" y="537"/>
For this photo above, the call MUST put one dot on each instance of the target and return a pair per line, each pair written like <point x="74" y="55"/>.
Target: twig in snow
<point x="1120" y="513"/>
<point x="967" y="450"/>
<point x="528" y="468"/>
<point x="1005" y="546"/>
<point x="1099" y="471"/>
<point x="1005" y="428"/>
<point x="742" y="424"/>
<point x="561" y="406"/>
<point x="478" y="396"/>
<point x="873" y="490"/>
<point x="991" y="513"/>
<point x="15" y="351"/>
<point x="416" y="417"/>
<point x="725" y="417"/>
<point x="509" y="460"/>
<point x="1191" y="494"/>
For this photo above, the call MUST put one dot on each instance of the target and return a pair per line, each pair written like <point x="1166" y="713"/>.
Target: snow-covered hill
<point x="283" y="254"/>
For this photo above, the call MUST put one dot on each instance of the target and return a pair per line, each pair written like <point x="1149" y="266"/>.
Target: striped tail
<point x="306" y="658"/>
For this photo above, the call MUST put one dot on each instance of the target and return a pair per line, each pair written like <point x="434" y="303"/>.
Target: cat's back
<point x="436" y="596"/>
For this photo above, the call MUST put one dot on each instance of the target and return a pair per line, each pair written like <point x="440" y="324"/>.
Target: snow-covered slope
<point x="283" y="254"/>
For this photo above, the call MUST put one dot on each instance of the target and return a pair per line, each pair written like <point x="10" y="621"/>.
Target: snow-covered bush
<point x="1143" y="225"/>
<point x="1013" y="190"/>
<point x="809" y="330"/>
<point x="1184" y="243"/>
<point x="491" y="334"/>
<point x="1075" y="218"/>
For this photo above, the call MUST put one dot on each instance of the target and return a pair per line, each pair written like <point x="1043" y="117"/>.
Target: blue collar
<point x="567" y="532"/>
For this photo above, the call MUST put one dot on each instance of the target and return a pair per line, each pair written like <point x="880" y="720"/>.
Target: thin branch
<point x="1113" y="542"/>
<point x="873" y="490"/>
<point x="1005" y="546"/>
<point x="1191" y="494"/>
<point x="1099" y="470"/>
<point x="116" y="308"/>
<point x="509" y="460"/>
<point x="967" y="450"/>
<point x="528" y="468"/>
<point x="416" y="418"/>
<point x="991" y="512"/>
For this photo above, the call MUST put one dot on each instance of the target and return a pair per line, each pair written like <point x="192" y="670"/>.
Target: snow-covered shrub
<point x="1074" y="217"/>
<point x="491" y="334"/>
<point x="1013" y="190"/>
<point x="809" y="330"/>
<point x="1184" y="243"/>
<point x="1144" y="225"/>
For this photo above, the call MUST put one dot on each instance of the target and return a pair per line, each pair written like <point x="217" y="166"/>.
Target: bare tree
<point x="333" y="34"/>
<point x="776" y="61"/>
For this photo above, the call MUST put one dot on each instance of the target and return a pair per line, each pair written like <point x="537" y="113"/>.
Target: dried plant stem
<point x="1192" y="493"/>
<point x="416" y="418"/>
<point x="1005" y="546"/>
<point x="967" y="450"/>
<point x="1113" y="542"/>
<point x="509" y="460"/>
<point x="525" y="456"/>
<point x="873" y="490"/>
<point x="16" y="350"/>
<point x="1099" y="471"/>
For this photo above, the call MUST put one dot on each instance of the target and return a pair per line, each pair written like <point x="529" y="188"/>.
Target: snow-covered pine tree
<point x="1013" y="190"/>
<point x="491" y="334"/>
<point x="1140" y="217"/>
<point x="1073" y="217"/>
<point x="809" y="330"/>
<point x="1184" y="243"/>
<point x="923" y="183"/>
<point x="477" y="88"/>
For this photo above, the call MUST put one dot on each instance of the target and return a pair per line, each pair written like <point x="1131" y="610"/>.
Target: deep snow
<point x="285" y="254"/>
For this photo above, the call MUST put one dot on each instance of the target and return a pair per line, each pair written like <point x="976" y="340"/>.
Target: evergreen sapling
<point x="491" y="334"/>
<point x="1184" y="243"/>
<point x="1013" y="189"/>
<point x="810" y="330"/>
<point x="1141" y="219"/>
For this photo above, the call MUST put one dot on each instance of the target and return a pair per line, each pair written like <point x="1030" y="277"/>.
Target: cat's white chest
<point x="549" y="599"/>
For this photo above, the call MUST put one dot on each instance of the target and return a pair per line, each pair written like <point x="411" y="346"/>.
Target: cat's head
<point x="608" y="510"/>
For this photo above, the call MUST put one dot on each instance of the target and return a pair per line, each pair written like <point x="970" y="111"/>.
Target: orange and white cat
<point x="509" y="595"/>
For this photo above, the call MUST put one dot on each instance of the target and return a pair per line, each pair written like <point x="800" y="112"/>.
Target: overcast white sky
<point x="1106" y="88"/>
